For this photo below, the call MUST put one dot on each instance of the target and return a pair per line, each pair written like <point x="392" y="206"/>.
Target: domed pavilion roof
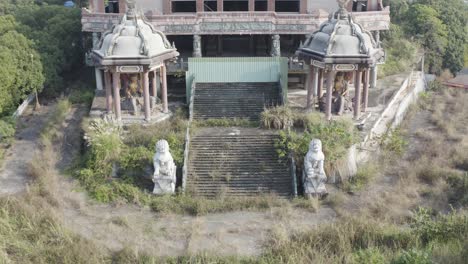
<point x="341" y="40"/>
<point x="133" y="42"/>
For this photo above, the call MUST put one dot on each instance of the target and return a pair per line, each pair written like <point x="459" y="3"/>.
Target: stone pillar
<point x="357" y="94"/>
<point x="373" y="77"/>
<point x="98" y="6"/>
<point x="303" y="7"/>
<point x="167" y="7"/>
<point x="219" y="5"/>
<point x="271" y="5"/>
<point x="377" y="37"/>
<point x="199" y="5"/>
<point x="116" y="83"/>
<point x="275" y="46"/>
<point x="330" y="81"/>
<point x="309" y="86"/>
<point x="164" y="89"/>
<point x="146" y="96"/>
<point x="197" y="46"/>
<point x="108" y="86"/>
<point x="154" y="83"/>
<point x="122" y="6"/>
<point x="98" y="74"/>
<point x="320" y="83"/>
<point x="365" y="93"/>
<point x="251" y="5"/>
<point x="315" y="81"/>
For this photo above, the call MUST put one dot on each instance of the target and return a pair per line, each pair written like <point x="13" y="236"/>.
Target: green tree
<point x="56" y="31"/>
<point x="21" y="71"/>
<point x="453" y="15"/>
<point x="423" y="23"/>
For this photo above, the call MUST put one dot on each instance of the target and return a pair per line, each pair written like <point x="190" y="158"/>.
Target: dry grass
<point x="431" y="171"/>
<point x="30" y="229"/>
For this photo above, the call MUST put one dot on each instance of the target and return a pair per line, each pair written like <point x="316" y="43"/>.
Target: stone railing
<point x="187" y="139"/>
<point x="19" y="111"/>
<point x="292" y="171"/>
<point x="235" y="22"/>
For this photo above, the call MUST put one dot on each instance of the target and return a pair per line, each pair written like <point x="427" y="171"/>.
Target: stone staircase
<point x="236" y="162"/>
<point x="233" y="100"/>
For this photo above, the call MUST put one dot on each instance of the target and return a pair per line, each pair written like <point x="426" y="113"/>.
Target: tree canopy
<point x="21" y="71"/>
<point x="439" y="26"/>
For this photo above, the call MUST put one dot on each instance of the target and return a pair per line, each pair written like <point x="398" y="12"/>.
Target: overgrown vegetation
<point x="337" y="137"/>
<point x="436" y="25"/>
<point x="41" y="47"/>
<point x="130" y="151"/>
<point x="30" y="232"/>
<point x="394" y="141"/>
<point x="225" y="122"/>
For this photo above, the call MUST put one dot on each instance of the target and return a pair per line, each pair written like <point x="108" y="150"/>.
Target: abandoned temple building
<point x="233" y="59"/>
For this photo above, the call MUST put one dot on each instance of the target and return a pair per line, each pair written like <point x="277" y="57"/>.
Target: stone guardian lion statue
<point x="164" y="176"/>
<point x="314" y="177"/>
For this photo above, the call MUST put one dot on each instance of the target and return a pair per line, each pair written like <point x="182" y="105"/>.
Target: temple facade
<point x="238" y="28"/>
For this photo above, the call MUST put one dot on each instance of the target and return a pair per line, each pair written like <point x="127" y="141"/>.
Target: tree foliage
<point x="56" y="30"/>
<point x="439" y="26"/>
<point x="21" y="70"/>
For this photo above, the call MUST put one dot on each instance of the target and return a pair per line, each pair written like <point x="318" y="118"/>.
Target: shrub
<point x="394" y="142"/>
<point x="81" y="96"/>
<point x="336" y="136"/>
<point x="369" y="256"/>
<point x="7" y="130"/>
<point x="278" y="117"/>
<point x="413" y="256"/>
<point x="458" y="191"/>
<point x="440" y="228"/>
<point x="225" y="122"/>
<point x="364" y="176"/>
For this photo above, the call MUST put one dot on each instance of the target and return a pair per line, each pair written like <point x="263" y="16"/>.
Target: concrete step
<point x="244" y="164"/>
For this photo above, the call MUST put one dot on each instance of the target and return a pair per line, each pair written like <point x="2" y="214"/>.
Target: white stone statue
<point x="164" y="176"/>
<point x="314" y="177"/>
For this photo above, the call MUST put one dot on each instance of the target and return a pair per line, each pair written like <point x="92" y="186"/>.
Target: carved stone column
<point x="199" y="5"/>
<point x="373" y="77"/>
<point x="98" y="6"/>
<point x="116" y="84"/>
<point x="154" y="86"/>
<point x="219" y="5"/>
<point x="308" y="85"/>
<point x="357" y="94"/>
<point x="377" y="37"/>
<point x="275" y="46"/>
<point x="303" y="7"/>
<point x="167" y="8"/>
<point x="251" y="5"/>
<point x="164" y="89"/>
<point x="271" y="5"/>
<point x="365" y="93"/>
<point x="146" y="96"/>
<point x="108" y="85"/>
<point x="98" y="74"/>
<point x="330" y="81"/>
<point x="122" y="6"/>
<point x="197" y="52"/>
<point x="320" y="83"/>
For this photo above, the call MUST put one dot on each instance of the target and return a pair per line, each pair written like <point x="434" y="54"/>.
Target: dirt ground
<point x="13" y="175"/>
<point x="236" y="233"/>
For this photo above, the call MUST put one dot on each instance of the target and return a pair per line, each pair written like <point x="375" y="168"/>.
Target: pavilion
<point x="130" y="54"/>
<point x="341" y="46"/>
